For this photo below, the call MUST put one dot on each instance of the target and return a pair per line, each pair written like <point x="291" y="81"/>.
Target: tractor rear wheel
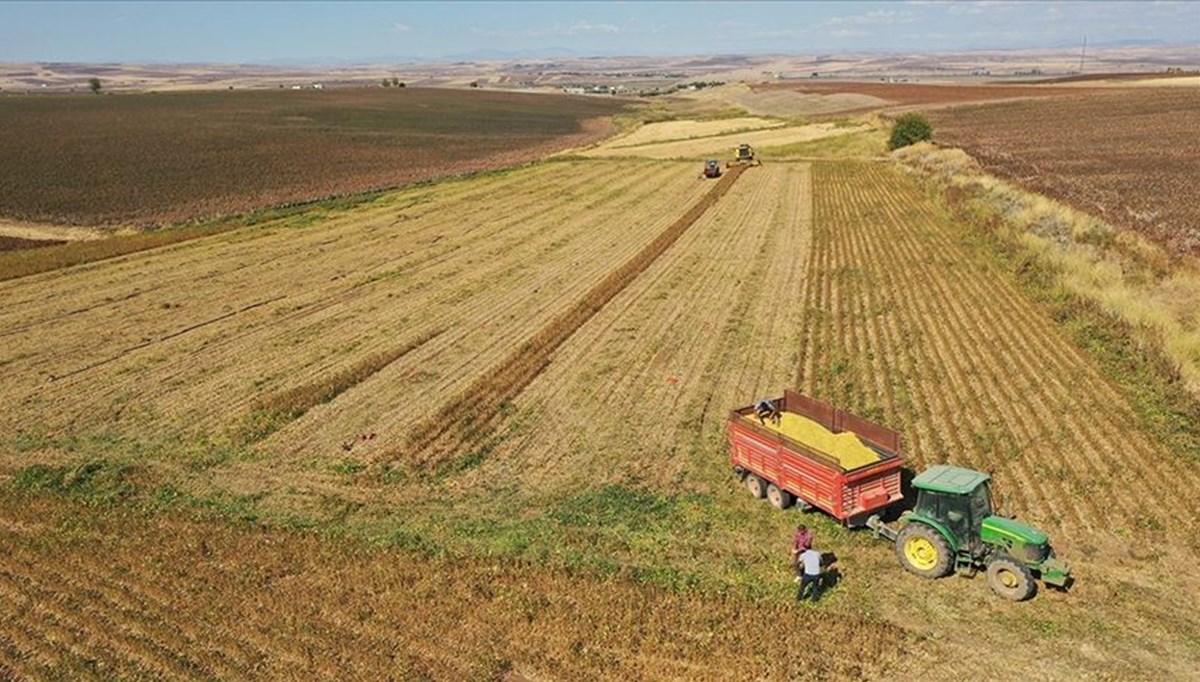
<point x="1011" y="579"/>
<point x="923" y="551"/>
<point x="756" y="486"/>
<point x="778" y="497"/>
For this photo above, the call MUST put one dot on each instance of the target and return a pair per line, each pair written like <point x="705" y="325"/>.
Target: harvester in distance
<point x="744" y="156"/>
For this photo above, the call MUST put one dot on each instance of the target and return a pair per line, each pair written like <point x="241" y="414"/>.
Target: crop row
<point x="906" y="322"/>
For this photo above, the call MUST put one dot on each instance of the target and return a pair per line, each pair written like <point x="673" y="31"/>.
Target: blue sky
<point x="321" y="32"/>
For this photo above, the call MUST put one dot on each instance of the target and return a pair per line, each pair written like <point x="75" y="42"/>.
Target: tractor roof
<point x="943" y="478"/>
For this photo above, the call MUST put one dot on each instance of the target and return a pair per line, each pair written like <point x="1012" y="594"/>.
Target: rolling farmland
<point x="326" y="370"/>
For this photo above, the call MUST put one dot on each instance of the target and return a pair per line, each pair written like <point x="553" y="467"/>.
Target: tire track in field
<point x="469" y="420"/>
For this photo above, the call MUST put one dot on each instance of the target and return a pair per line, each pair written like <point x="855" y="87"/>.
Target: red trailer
<point x="787" y="471"/>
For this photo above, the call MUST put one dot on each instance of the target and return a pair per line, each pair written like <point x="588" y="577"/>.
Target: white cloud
<point x="401" y="28"/>
<point x="588" y="27"/>
<point x="877" y="17"/>
<point x="578" y="28"/>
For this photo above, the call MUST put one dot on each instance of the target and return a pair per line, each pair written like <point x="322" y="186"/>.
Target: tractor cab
<point x="956" y="501"/>
<point x="953" y="527"/>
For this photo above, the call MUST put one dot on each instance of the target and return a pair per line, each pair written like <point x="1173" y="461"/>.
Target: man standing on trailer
<point x="766" y="409"/>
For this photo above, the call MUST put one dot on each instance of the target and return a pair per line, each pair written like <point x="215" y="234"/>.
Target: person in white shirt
<point x="810" y="574"/>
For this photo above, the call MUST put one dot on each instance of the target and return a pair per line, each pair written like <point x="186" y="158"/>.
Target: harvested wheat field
<point x="669" y="131"/>
<point x="506" y="396"/>
<point x="718" y="146"/>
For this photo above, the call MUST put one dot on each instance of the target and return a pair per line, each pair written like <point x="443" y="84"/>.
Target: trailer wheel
<point x="778" y="497"/>
<point x="756" y="486"/>
<point x="923" y="551"/>
<point x="803" y="506"/>
<point x="1011" y="579"/>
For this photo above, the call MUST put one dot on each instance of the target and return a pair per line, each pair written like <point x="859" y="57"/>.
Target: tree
<point x="909" y="129"/>
<point x="386" y="83"/>
<point x="395" y="82"/>
<point x="94" y="84"/>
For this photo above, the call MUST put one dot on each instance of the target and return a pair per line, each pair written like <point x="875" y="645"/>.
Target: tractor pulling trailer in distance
<point x="849" y="467"/>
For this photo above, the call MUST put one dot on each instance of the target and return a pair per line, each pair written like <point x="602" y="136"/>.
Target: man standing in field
<point x="810" y="574"/>
<point x="765" y="409"/>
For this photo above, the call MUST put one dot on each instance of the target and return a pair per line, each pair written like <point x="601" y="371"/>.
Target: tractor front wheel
<point x="1011" y="579"/>
<point x="756" y="486"/>
<point x="778" y="497"/>
<point x="923" y="551"/>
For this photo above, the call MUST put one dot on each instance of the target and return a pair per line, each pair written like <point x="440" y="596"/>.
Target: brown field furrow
<point x="33" y="635"/>
<point x="155" y="158"/>
<point x="109" y="586"/>
<point x="74" y="620"/>
<point x="380" y="614"/>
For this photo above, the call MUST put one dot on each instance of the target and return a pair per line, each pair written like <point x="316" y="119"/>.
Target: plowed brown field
<point x="1133" y="164"/>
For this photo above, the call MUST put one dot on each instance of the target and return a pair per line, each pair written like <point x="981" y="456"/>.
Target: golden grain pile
<point x="846" y="447"/>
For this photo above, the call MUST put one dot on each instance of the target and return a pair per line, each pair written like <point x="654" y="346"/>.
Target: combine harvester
<point x="744" y="156"/>
<point x="823" y="457"/>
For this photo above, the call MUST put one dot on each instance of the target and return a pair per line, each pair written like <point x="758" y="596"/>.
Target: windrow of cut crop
<point x="651" y="377"/>
<point x="272" y="412"/>
<point x="469" y="421"/>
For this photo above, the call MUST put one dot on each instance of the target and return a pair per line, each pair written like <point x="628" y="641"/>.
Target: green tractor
<point x="953" y="528"/>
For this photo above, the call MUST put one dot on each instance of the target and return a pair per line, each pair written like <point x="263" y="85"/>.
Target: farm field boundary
<point x="480" y="405"/>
